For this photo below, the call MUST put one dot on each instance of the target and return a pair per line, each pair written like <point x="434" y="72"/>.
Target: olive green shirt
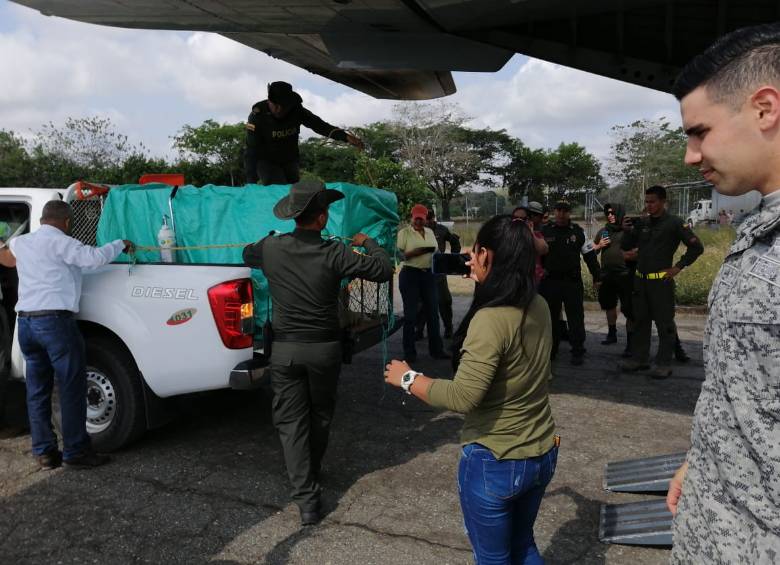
<point x="409" y="239"/>
<point x="502" y="382"/>
<point x="304" y="275"/>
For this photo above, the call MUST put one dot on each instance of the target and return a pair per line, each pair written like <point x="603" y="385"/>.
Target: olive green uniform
<point x="304" y="275"/>
<point x="653" y="298"/>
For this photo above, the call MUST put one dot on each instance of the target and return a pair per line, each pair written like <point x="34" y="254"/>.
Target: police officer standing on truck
<point x="653" y="242"/>
<point x="562" y="282"/>
<point x="49" y="263"/>
<point x="272" y="131"/>
<point x="304" y="275"/>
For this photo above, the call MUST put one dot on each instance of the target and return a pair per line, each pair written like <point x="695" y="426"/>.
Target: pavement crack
<point x="394" y="535"/>
<point x="218" y="496"/>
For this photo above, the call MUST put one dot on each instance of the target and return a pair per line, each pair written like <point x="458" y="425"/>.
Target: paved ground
<point x="210" y="487"/>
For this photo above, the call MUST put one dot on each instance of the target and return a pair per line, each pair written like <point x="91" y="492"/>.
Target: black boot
<point x="679" y="352"/>
<point x="611" y="336"/>
<point x="564" y="330"/>
<point x="627" y="350"/>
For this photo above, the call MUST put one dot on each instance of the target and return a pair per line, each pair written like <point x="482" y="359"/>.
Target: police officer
<point x="443" y="236"/>
<point x="562" y="282"/>
<point x="304" y="275"/>
<point x="272" y="131"/>
<point x="653" y="243"/>
<point x="616" y="274"/>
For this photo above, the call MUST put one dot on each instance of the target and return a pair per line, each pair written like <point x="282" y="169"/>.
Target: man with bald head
<point x="49" y="263"/>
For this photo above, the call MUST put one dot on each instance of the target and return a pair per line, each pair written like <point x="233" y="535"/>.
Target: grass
<point x="693" y="284"/>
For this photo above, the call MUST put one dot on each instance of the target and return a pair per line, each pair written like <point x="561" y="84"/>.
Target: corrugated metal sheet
<point x="636" y="523"/>
<point x="651" y="474"/>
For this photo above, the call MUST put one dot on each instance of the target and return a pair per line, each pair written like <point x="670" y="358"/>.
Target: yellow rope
<point x="189" y="247"/>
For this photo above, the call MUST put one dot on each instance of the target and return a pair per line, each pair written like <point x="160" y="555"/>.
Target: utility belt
<point x="425" y="270"/>
<point x="314" y="336"/>
<point x="652" y="276"/>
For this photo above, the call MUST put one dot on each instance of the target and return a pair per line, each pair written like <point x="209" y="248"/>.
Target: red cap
<point x="419" y="211"/>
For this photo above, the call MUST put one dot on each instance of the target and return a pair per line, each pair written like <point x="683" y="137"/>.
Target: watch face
<point x="406" y="379"/>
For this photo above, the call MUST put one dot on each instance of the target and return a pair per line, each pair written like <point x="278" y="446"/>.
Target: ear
<point x="765" y="102"/>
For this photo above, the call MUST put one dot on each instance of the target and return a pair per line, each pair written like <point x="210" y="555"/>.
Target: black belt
<point x="42" y="313"/>
<point x="314" y="336"/>
<point x="416" y="268"/>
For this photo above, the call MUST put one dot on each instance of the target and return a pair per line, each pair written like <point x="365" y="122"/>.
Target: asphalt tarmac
<point x="210" y="487"/>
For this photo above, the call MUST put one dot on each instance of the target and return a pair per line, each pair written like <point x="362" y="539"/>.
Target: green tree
<point x="220" y="147"/>
<point x="82" y="148"/>
<point x="648" y="152"/>
<point x="572" y="170"/>
<point x="328" y="161"/>
<point x="381" y="140"/>
<point x="526" y="172"/>
<point x="15" y="163"/>
<point x="387" y="174"/>
<point x="434" y="146"/>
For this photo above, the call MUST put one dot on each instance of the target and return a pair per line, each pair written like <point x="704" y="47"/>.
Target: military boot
<point x="679" y="352"/>
<point x="611" y="336"/>
<point x="627" y="350"/>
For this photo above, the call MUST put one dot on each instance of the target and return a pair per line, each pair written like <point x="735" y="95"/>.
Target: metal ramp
<point x="636" y="523"/>
<point x="651" y="474"/>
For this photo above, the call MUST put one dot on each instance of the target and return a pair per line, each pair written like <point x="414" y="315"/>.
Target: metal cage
<point x="86" y="215"/>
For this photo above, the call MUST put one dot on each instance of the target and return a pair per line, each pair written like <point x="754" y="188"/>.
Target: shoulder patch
<point x="250" y="126"/>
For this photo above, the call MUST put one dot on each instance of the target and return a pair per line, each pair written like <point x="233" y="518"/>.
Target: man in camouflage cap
<point x="726" y="497"/>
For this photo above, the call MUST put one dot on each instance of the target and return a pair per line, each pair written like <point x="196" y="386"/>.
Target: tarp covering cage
<point x="217" y="215"/>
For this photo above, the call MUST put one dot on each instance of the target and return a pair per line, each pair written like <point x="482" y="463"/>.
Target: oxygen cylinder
<point x="166" y="239"/>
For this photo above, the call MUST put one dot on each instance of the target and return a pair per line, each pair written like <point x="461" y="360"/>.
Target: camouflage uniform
<point x="729" y="511"/>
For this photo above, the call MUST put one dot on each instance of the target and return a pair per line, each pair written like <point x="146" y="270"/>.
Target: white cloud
<point x="152" y="82"/>
<point x="545" y="104"/>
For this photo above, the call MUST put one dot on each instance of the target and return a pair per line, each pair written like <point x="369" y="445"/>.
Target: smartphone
<point x="451" y="264"/>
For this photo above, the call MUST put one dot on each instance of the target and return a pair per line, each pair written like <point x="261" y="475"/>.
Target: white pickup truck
<point x="163" y="329"/>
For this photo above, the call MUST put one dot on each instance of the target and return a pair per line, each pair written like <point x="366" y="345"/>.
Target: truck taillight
<point x="232" y="304"/>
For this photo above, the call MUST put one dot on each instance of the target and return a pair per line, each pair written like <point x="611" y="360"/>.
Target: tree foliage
<point x="219" y="146"/>
<point x="328" y="161"/>
<point x="647" y="152"/>
<point x="385" y="173"/>
<point x="571" y="170"/>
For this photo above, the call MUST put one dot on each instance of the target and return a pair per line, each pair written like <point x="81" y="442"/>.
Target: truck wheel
<point x="115" y="400"/>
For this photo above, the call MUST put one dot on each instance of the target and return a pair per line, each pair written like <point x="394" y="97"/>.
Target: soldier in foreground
<point x="726" y="497"/>
<point x="304" y="275"/>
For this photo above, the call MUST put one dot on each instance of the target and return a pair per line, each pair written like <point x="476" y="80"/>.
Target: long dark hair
<point x="511" y="278"/>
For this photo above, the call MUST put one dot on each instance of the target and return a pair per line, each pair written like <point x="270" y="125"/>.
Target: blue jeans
<point x="54" y="349"/>
<point x="500" y="500"/>
<point x="418" y="285"/>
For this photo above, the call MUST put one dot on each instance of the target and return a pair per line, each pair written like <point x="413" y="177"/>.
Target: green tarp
<point x="217" y="215"/>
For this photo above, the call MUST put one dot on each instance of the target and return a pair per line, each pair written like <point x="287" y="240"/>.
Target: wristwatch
<point x="407" y="379"/>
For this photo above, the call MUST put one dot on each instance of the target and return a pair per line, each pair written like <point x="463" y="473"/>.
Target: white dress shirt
<point x="49" y="264"/>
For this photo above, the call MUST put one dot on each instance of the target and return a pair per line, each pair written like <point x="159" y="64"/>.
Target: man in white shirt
<point x="49" y="263"/>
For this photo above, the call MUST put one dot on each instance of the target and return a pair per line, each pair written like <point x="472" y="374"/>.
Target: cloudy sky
<point x="150" y="83"/>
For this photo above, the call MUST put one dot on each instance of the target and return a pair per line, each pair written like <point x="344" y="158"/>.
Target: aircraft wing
<point x="405" y="49"/>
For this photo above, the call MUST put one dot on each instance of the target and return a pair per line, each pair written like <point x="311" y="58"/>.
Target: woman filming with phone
<point x="509" y="449"/>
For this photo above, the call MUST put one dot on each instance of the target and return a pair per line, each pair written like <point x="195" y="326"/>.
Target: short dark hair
<point x="431" y="214"/>
<point x="658" y="190"/>
<point x="736" y="62"/>
<point x="56" y="210"/>
<point x="316" y="207"/>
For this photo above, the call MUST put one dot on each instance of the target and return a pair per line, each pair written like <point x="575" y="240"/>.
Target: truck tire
<point x="115" y="399"/>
